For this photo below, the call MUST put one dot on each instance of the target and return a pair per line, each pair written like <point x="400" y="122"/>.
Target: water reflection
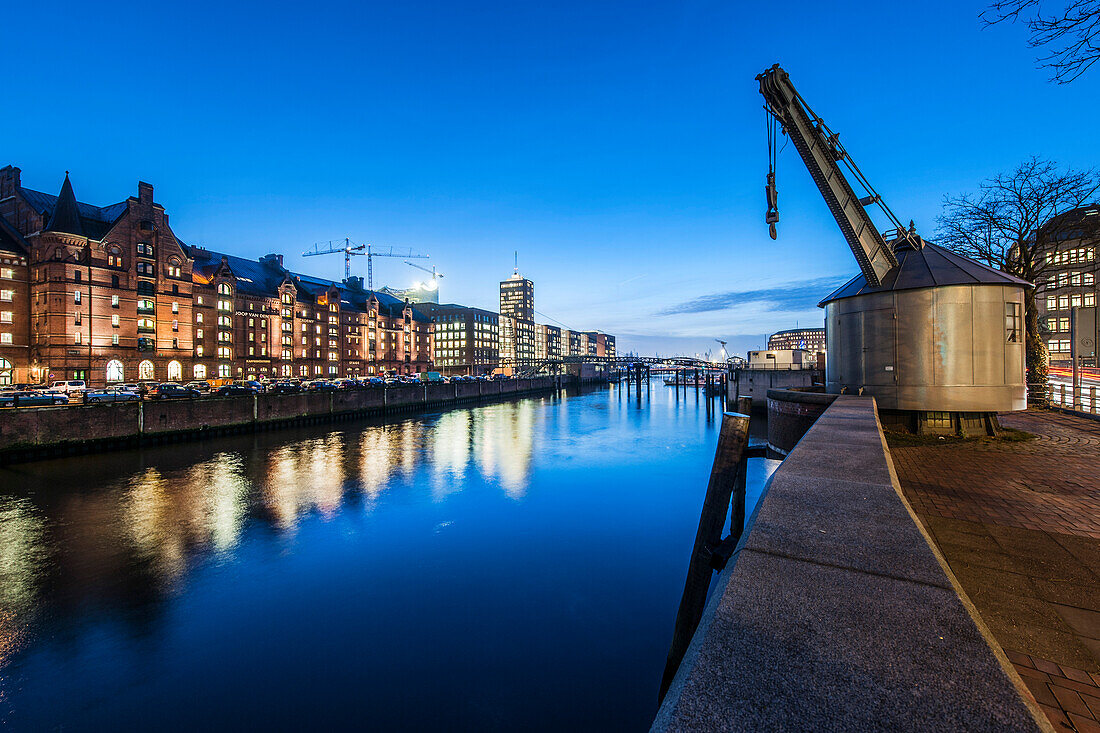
<point x="355" y="564"/>
<point x="157" y="519"/>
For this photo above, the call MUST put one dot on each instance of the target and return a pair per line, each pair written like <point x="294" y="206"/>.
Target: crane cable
<point x="772" y="215"/>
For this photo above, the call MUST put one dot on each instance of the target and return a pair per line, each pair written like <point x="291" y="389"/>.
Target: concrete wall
<point x="755" y="383"/>
<point x="791" y="414"/>
<point x="27" y="433"/>
<point x="837" y="613"/>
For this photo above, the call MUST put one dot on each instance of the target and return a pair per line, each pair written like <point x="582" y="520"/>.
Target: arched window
<point x="224" y="289"/>
<point x="114" y="371"/>
<point x="145" y="370"/>
<point x="200" y="371"/>
<point x="5" y="371"/>
<point x="175" y="371"/>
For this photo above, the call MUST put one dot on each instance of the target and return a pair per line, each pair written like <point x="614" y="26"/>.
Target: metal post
<point x="1073" y="357"/>
<point x="1092" y="400"/>
<point x="733" y="436"/>
<point x="1062" y="394"/>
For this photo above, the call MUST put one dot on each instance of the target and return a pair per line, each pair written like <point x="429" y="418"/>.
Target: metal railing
<point x="1080" y="398"/>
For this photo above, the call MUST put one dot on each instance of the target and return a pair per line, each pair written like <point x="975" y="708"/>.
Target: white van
<point x="70" y="386"/>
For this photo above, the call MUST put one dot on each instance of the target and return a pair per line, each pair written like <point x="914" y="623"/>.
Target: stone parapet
<point x="837" y="613"/>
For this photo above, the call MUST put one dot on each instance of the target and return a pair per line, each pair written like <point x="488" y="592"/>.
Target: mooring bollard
<point x="733" y="436"/>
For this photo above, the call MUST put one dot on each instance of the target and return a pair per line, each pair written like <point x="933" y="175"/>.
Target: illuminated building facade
<point x="1070" y="278"/>
<point x="466" y="339"/>
<point x="109" y="294"/>
<point x="804" y="339"/>
<point x="517" y="325"/>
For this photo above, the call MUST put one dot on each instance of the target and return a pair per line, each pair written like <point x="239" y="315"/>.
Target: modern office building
<point x="1069" y="277"/>
<point x="517" y="320"/>
<point x="466" y="340"/>
<point x="805" y="339"/>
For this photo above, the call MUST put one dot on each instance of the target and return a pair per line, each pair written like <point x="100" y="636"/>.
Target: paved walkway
<point x="1019" y="524"/>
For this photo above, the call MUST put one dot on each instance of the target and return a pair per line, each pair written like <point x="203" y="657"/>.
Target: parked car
<point x="344" y="383"/>
<point x="110" y="394"/>
<point x="233" y="390"/>
<point x="171" y="392"/>
<point x="285" y="388"/>
<point x="70" y="386"/>
<point x="254" y="384"/>
<point x="200" y="384"/>
<point x="320" y="385"/>
<point x="376" y="382"/>
<point x="27" y="398"/>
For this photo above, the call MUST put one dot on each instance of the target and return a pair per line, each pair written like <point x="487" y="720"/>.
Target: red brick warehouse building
<point x="109" y="294"/>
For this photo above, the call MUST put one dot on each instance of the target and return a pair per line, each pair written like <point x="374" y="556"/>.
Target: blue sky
<point x="619" y="147"/>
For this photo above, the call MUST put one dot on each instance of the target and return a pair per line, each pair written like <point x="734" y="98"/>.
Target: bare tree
<point x="1069" y="35"/>
<point x="1011" y="222"/>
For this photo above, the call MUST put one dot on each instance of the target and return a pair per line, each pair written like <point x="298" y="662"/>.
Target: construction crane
<point x="351" y="249"/>
<point x="822" y="153"/>
<point x="724" y="348"/>
<point x="432" y="271"/>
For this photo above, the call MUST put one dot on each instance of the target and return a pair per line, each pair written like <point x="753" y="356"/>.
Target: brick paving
<point x="1019" y="525"/>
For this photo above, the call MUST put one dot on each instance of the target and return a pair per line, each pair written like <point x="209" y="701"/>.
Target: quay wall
<point x="755" y="383"/>
<point x="837" y="612"/>
<point x="791" y="414"/>
<point x="34" y="433"/>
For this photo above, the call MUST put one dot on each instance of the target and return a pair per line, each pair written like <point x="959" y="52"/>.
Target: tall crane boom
<point x="822" y="152"/>
<point x="349" y="249"/>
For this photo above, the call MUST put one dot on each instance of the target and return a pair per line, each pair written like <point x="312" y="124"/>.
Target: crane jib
<point x="820" y="153"/>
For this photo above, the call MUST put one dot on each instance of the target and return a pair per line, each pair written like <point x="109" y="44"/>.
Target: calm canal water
<point x="513" y="566"/>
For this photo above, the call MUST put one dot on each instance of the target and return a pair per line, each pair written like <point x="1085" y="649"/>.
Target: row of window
<point x="1071" y="256"/>
<point x="1065" y="302"/>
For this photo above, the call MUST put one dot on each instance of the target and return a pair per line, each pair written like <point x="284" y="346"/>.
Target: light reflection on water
<point x="510" y="565"/>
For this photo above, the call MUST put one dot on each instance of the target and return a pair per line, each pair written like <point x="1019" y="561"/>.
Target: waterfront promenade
<point x="1019" y="525"/>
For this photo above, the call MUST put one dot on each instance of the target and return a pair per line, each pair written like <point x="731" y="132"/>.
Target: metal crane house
<point x="350" y="249"/>
<point x="935" y="337"/>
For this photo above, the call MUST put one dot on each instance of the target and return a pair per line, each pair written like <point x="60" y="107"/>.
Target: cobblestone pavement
<point x="1019" y="525"/>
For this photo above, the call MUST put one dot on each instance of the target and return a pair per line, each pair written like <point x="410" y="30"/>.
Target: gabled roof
<point x="11" y="240"/>
<point x="924" y="267"/>
<point x="95" y="221"/>
<point x="263" y="278"/>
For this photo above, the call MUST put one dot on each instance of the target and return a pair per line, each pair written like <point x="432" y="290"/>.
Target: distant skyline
<point x="618" y="147"/>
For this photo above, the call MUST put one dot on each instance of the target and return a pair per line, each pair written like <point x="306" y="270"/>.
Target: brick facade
<point x="109" y="294"/>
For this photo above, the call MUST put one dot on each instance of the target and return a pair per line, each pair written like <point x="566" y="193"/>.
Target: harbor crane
<point x="727" y="354"/>
<point x="351" y="249"/>
<point x="917" y="311"/>
<point x="822" y="153"/>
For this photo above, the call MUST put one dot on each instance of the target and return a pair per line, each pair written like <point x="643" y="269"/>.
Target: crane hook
<point x="772" y="215"/>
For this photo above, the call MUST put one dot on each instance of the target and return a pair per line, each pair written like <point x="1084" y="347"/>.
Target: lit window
<point x="114" y="301"/>
<point x="76" y="297"/>
<point x="114" y="320"/>
<point x="114" y="339"/>
<point x="5" y="338"/>
<point x="175" y="307"/>
<point x="5" y="316"/>
<point x="7" y="273"/>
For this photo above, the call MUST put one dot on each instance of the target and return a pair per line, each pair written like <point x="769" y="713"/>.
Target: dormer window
<point x="114" y="256"/>
<point x="224" y="289"/>
<point x="146" y="225"/>
<point x="144" y="249"/>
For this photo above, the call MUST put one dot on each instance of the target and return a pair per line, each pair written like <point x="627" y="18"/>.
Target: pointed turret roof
<point x="66" y="214"/>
